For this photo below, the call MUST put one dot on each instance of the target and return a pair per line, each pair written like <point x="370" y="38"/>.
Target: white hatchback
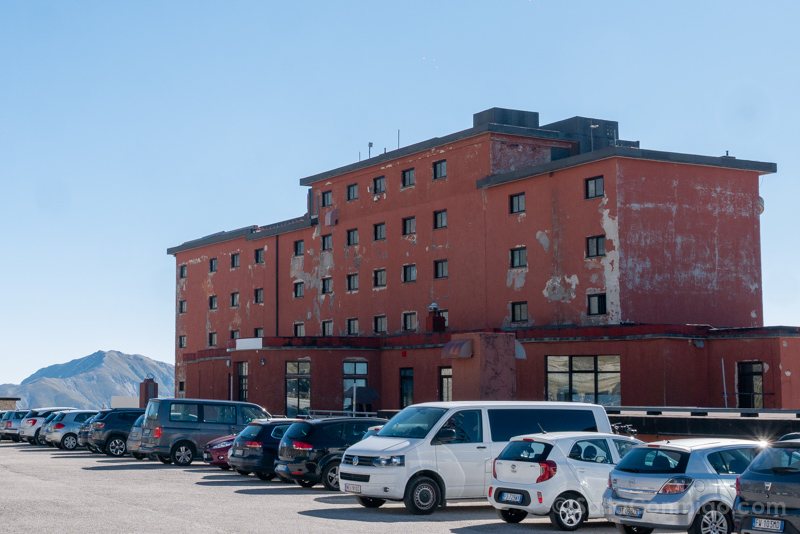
<point x="560" y="474"/>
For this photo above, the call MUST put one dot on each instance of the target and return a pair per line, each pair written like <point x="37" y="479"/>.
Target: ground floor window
<point x="751" y="384"/>
<point x="242" y="375"/>
<point x="406" y="387"/>
<point x="354" y="373"/>
<point x="298" y="388"/>
<point x="445" y="384"/>
<point x="594" y="379"/>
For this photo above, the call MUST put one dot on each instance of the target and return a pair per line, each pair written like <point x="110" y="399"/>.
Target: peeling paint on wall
<point x="610" y="263"/>
<point x="542" y="238"/>
<point x="554" y="291"/>
<point x="516" y="277"/>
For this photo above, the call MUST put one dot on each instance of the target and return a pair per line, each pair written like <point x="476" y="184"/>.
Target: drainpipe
<point x="277" y="305"/>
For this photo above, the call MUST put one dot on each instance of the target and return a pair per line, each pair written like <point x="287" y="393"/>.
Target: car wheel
<point x="69" y="442"/>
<point x="712" y="519"/>
<point x="568" y="512"/>
<point x="15" y="439"/>
<point x="265" y="476"/>
<point x="115" y="447"/>
<point x="422" y="496"/>
<point x="182" y="454"/>
<point x="307" y="483"/>
<point x="330" y="477"/>
<point x="166" y="460"/>
<point x="370" y="502"/>
<point x="39" y="439"/>
<point x="243" y="472"/>
<point x="513" y="515"/>
<point x="633" y="529"/>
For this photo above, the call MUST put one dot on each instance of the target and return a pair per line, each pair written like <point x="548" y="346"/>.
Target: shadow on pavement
<point x="540" y="526"/>
<point x="399" y="514"/>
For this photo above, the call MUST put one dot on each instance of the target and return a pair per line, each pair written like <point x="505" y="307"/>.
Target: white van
<point x="437" y="451"/>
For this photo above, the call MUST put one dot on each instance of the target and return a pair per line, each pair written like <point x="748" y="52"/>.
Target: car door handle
<point x="481" y="447"/>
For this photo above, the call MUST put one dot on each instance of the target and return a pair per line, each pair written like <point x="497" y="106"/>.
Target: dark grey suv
<point x="110" y="429"/>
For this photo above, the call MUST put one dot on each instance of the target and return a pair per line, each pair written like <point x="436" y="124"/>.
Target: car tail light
<point x="302" y="446"/>
<point x="609" y="482"/>
<point x="157" y="432"/>
<point x="8" y="424"/>
<point x="31" y="421"/>
<point x="494" y="468"/>
<point x="653" y="446"/>
<point x="99" y="425"/>
<point x="490" y="491"/>
<point x="253" y="444"/>
<point x="59" y="426"/>
<point x="676" y="485"/>
<point x="739" y="486"/>
<point x="547" y="470"/>
<point x="539" y="496"/>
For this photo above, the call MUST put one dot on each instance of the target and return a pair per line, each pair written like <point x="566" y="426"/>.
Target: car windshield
<point x="526" y="451"/>
<point x="299" y="430"/>
<point x="412" y="422"/>
<point x="251" y="431"/>
<point x="777" y="461"/>
<point x="59" y="417"/>
<point x="139" y="421"/>
<point x="152" y="410"/>
<point x="31" y="414"/>
<point x="654" y="460"/>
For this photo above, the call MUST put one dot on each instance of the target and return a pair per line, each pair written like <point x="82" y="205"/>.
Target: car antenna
<point x="543" y="430"/>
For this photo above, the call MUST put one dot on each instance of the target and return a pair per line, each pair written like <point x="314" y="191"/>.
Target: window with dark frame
<point x="410" y="322"/>
<point x="352" y="327"/>
<point x="212" y="339"/>
<point x="409" y="226"/>
<point x="406" y="387"/>
<point x="446" y="315"/>
<point x="327" y="242"/>
<point x="327" y="328"/>
<point x="327" y="199"/>
<point x="258" y="332"/>
<point x="440" y="269"/>
<point x="379" y="324"/>
<point x="234" y="261"/>
<point x="235" y="299"/>
<point x="407" y="179"/>
<point x="440" y="169"/>
<point x="409" y="273"/>
<point x="594" y="187"/>
<point x="182" y="306"/>
<point x="379" y="232"/>
<point x="259" y="255"/>
<point x="439" y="219"/>
<point x="750" y="384"/>
<point x="379" y="278"/>
<point x="181" y="386"/>
<point x="241" y="375"/>
<point x="212" y="265"/>
<point x="299" y="249"/>
<point x="379" y="185"/>
<point x="181" y="342"/>
<point x="352" y="192"/>
<point x="258" y="296"/>
<point x="352" y="282"/>
<point x="298" y="388"/>
<point x="299" y="329"/>
<point x="299" y="290"/>
<point x="519" y="257"/>
<point x="327" y="286"/>
<point x="595" y="246"/>
<point x="519" y="312"/>
<point x="597" y="304"/>
<point x="212" y="302"/>
<point x="353" y="374"/>
<point x="234" y="334"/>
<point x="516" y="203"/>
<point x="445" y="384"/>
<point x="182" y="271"/>
<point x="352" y="237"/>
<point x="593" y="379"/>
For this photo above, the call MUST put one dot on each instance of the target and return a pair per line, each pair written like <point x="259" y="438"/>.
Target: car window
<point x="183" y="412"/>
<point x="648" y="459"/>
<point x="506" y="423"/>
<point x="250" y="431"/>
<point x="591" y="450"/>
<point x="219" y="413"/>
<point x="777" y="461"/>
<point x="731" y="461"/>
<point x="152" y="410"/>
<point x="59" y="417"/>
<point x="468" y="426"/>
<point x="139" y="421"/>
<point x="251" y="412"/>
<point x="279" y="431"/>
<point x="355" y="431"/>
<point x="334" y="431"/>
<point x="526" y="451"/>
<point x="624" y="446"/>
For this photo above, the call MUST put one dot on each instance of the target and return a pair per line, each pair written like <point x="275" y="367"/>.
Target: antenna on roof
<point x="542" y="428"/>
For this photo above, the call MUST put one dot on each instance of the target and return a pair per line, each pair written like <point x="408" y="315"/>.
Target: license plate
<point x="768" y="524"/>
<point x="281" y="467"/>
<point x="238" y="452"/>
<point x="629" y="511"/>
<point x="510" y="497"/>
<point x="146" y="432"/>
<point x="352" y="488"/>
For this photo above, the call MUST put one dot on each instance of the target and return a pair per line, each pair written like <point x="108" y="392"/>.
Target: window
<point x="181" y="386"/>
<point x="591" y="450"/>
<point x="235" y="300"/>
<point x="212" y="265"/>
<point x="406" y="387"/>
<point x="439" y="219"/>
<point x="299" y="289"/>
<point x="352" y="192"/>
<point x="379" y="185"/>
<point x="519" y="257"/>
<point x="352" y="327"/>
<point x="298" y="248"/>
<point x="593" y="379"/>
<point x="596" y="246"/>
<point x="379" y="232"/>
<point x="379" y="325"/>
<point x="445" y="384"/>
<point x="298" y="388"/>
<point x="182" y="306"/>
<point x="241" y="373"/>
<point x="220" y="414"/>
<point x="440" y="169"/>
<point x="352" y="237"/>
<point x="594" y="187"/>
<point x="353" y="374"/>
<point x="379" y="278"/>
<point x="507" y="423"/>
<point x="352" y="282"/>
<point x="624" y="446"/>
<point x="410" y="226"/>
<point x="327" y="286"/>
<point x="732" y="461"/>
<point x="410" y="322"/>
<point x="409" y="273"/>
<point x="212" y="302"/>
<point x="181" y="342"/>
<point x="184" y="412"/>
<point x="407" y="179"/>
<point x="519" y="312"/>
<point x="327" y="328"/>
<point x="259" y="255"/>
<point x="327" y="242"/>
<point x="446" y="315"/>
<point x="751" y="384"/>
<point x="517" y="203"/>
<point x="212" y="339"/>
<point x="258" y="296"/>
<point x="468" y="426"/>
<point x="234" y="261"/>
<point x="327" y="199"/>
<point x="440" y="269"/>
<point x="234" y="334"/>
<point x="299" y="329"/>
<point x="182" y="271"/>
<point x="597" y="304"/>
<point x="258" y="332"/>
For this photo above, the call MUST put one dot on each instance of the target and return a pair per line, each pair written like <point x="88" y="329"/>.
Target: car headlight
<point x="222" y="445"/>
<point x="389" y="461"/>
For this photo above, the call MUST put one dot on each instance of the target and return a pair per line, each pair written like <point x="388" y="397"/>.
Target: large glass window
<point x="242" y="375"/>
<point x="751" y="384"/>
<point x="593" y="379"/>
<point x="354" y="373"/>
<point x="406" y="387"/>
<point x="298" y="388"/>
<point x="445" y="384"/>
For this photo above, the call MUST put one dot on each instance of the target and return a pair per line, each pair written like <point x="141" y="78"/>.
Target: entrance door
<point x="751" y="385"/>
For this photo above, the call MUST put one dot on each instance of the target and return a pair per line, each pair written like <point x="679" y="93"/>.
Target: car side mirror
<point x="445" y="435"/>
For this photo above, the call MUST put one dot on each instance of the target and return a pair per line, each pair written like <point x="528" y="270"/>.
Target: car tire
<point x="243" y="472"/>
<point x="39" y="439"/>
<point x="568" y="512"/>
<point x="116" y="447"/>
<point x="633" y="529"/>
<point x="712" y="518"/>
<point x="330" y="476"/>
<point x="370" y="502"/>
<point x="265" y="476"/>
<point x="69" y="442"/>
<point x="31" y="441"/>
<point x="512" y="515"/>
<point x="306" y="483"/>
<point x="422" y="496"/>
<point x="182" y="454"/>
<point x="166" y="460"/>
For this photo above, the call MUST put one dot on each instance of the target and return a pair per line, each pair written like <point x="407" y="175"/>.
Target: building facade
<point x="455" y="267"/>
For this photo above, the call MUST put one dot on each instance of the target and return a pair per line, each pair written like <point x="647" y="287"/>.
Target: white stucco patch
<point x="543" y="239"/>
<point x="555" y="291"/>
<point x="516" y="277"/>
<point x="610" y="264"/>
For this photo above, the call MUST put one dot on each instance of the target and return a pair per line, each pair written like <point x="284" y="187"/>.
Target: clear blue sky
<point x="128" y="127"/>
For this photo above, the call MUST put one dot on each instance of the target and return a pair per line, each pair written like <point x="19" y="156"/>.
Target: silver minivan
<point x="176" y="430"/>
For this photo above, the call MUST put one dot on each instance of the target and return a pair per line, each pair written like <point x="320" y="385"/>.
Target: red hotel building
<point x="506" y="261"/>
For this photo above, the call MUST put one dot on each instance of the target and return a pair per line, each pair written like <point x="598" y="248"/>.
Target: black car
<point x="110" y="429"/>
<point x="768" y="493"/>
<point x="256" y="447"/>
<point x="311" y="451"/>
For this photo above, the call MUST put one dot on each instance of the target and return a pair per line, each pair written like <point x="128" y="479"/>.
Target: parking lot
<point x="42" y="488"/>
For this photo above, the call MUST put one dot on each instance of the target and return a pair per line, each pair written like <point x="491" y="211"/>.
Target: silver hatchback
<point x="63" y="430"/>
<point x="681" y="484"/>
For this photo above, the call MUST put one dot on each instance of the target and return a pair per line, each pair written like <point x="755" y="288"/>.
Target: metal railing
<point x="698" y="411"/>
<point x="321" y="414"/>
